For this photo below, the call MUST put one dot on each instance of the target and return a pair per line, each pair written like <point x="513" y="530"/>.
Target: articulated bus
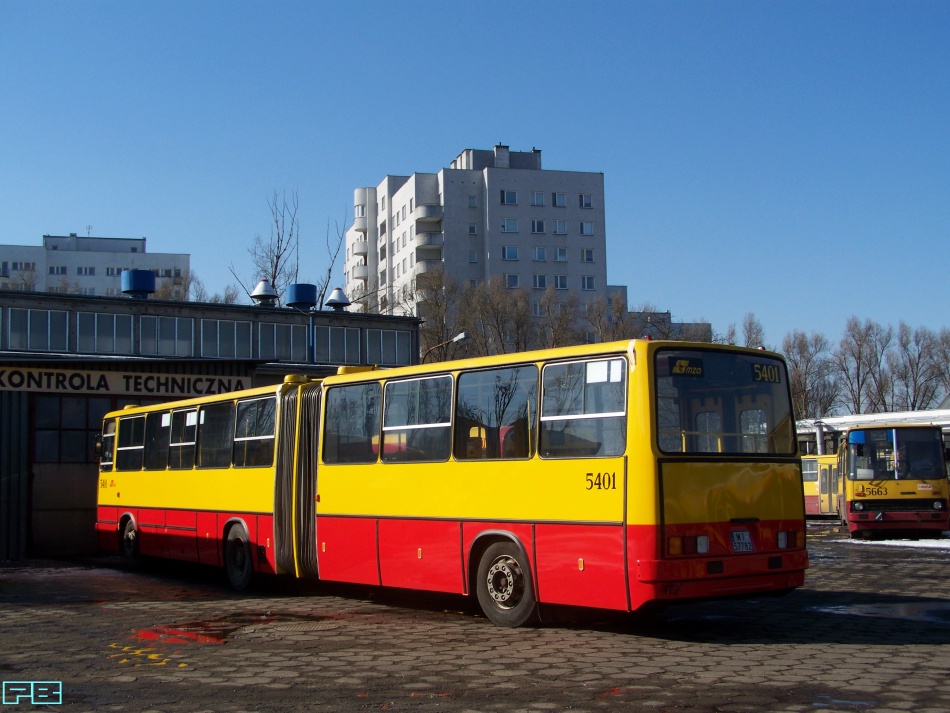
<point x="893" y="480"/>
<point x="820" y="483"/>
<point x="608" y="475"/>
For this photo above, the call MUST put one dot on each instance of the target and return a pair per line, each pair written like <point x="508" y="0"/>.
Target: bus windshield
<point x="895" y="454"/>
<point x="722" y="402"/>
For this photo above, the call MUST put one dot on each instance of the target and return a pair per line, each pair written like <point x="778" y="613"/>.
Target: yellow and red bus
<point x="820" y="484"/>
<point x="607" y="475"/>
<point x="893" y="480"/>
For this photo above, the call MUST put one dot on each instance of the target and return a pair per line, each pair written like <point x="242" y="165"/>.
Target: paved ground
<point x="870" y="631"/>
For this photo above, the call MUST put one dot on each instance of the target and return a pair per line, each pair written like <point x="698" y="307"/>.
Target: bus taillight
<point x="689" y="545"/>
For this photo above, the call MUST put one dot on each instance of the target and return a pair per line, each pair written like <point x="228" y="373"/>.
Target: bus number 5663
<point x="601" y="481"/>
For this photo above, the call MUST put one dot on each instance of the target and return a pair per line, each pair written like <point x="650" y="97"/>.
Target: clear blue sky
<point x="789" y="159"/>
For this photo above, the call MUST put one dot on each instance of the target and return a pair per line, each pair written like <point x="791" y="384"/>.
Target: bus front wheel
<point x="504" y="588"/>
<point x="237" y="558"/>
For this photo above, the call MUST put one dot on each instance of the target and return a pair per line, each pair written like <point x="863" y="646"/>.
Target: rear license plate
<point x="741" y="541"/>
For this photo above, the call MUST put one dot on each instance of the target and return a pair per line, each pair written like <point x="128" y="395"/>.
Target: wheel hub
<point x="504" y="582"/>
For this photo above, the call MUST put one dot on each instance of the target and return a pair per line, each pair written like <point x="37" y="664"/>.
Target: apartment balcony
<point x="430" y="239"/>
<point x="359" y="224"/>
<point x="361" y="247"/>
<point x="360" y="272"/>
<point x="428" y="213"/>
<point x="428" y="265"/>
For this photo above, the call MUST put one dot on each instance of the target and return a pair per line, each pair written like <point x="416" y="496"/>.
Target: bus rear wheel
<point x="237" y="558"/>
<point x="129" y="544"/>
<point x="503" y="585"/>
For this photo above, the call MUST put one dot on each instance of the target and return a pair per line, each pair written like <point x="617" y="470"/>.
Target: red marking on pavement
<point x="169" y="635"/>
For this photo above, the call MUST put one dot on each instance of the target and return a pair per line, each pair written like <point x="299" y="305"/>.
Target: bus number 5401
<point x="601" y="481"/>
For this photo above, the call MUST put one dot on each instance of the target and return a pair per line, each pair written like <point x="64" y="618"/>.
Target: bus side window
<point x="583" y="409"/>
<point x="107" y="439"/>
<point x="417" y="420"/>
<point x="496" y="413"/>
<point x="131" y="445"/>
<point x="215" y="435"/>
<point x="181" y="449"/>
<point x="254" y="432"/>
<point x="157" y="434"/>
<point x="351" y="425"/>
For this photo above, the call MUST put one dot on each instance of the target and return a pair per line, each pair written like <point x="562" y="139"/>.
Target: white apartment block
<point x="492" y="212"/>
<point x="70" y="264"/>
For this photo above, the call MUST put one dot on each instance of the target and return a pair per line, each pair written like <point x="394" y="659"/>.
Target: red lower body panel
<point x="881" y="521"/>
<point x="186" y="534"/>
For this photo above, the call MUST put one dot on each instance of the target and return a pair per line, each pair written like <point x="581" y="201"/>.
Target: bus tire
<point x="237" y="558"/>
<point x="129" y="544"/>
<point x="504" y="588"/>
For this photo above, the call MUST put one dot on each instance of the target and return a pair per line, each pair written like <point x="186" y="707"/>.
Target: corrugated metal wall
<point x="14" y="474"/>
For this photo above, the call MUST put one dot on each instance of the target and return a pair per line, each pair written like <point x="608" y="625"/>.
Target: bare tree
<point x="753" y="333"/>
<point x="880" y="391"/>
<point x="914" y="369"/>
<point x="942" y="360"/>
<point x="200" y="294"/>
<point x="608" y="318"/>
<point x="557" y="323"/>
<point x="852" y="363"/>
<point x="437" y="300"/>
<point x="814" y="390"/>
<point x="277" y="258"/>
<point x="497" y="318"/>
<point x="26" y="279"/>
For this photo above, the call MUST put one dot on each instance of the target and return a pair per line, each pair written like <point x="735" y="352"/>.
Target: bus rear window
<point x="722" y="403"/>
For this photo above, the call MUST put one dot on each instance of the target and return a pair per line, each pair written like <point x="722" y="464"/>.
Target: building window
<point x="587" y="255"/>
<point x="540" y="282"/>
<point x="560" y="227"/>
<point x="560" y="282"/>
<point x="387" y="347"/>
<point x="225" y="339"/>
<point x="538" y="254"/>
<point x="472" y="256"/>
<point x="65" y="427"/>
<point x="57" y="269"/>
<point x="86" y="271"/>
<point x="537" y="198"/>
<point x="104" y="333"/>
<point x="38" y="330"/>
<point x="587" y="227"/>
<point x="537" y="226"/>
<point x="511" y="281"/>
<point x="509" y="197"/>
<point x="472" y="229"/>
<point x="167" y="336"/>
<point x="23" y="266"/>
<point x="359" y="211"/>
<point x="337" y="345"/>
<point x="558" y="200"/>
<point x="587" y="282"/>
<point x="585" y="200"/>
<point x="282" y="342"/>
<point x="509" y="252"/>
<point x="471" y="202"/>
<point x="404" y="212"/>
<point x="560" y="254"/>
<point x="509" y="225"/>
<point x="536" y="309"/>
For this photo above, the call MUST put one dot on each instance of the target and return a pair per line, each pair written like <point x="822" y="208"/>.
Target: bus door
<point x="827" y="477"/>
<point x="305" y="481"/>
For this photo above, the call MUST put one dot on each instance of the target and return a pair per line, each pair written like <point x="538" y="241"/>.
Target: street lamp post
<point x="461" y="336"/>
